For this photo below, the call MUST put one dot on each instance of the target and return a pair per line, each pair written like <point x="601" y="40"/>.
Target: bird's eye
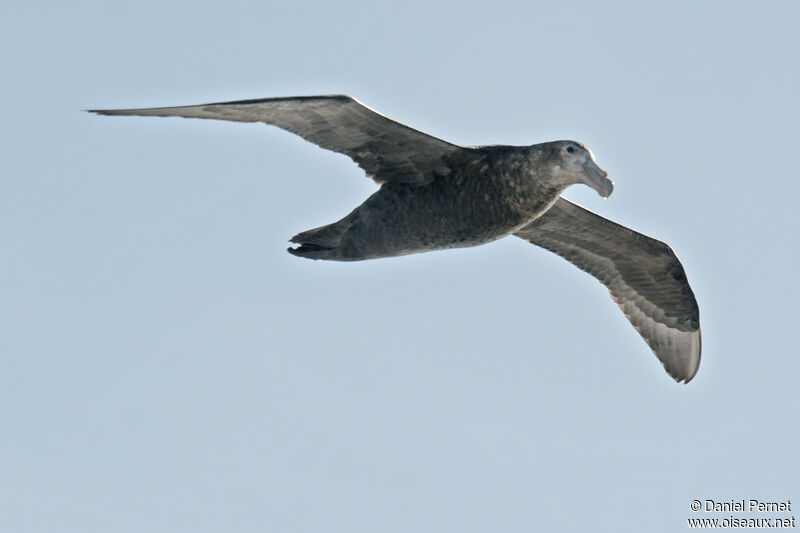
<point x="570" y="149"/>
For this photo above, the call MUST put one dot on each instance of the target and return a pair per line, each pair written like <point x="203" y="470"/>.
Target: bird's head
<point x="574" y="163"/>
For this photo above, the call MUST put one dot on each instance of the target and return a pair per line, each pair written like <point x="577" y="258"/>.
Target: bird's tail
<point x="323" y="242"/>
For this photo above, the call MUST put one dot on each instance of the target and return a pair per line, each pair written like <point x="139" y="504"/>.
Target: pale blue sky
<point x="166" y="366"/>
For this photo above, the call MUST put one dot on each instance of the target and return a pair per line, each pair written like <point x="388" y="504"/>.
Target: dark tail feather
<point x="313" y="251"/>
<point x="321" y="243"/>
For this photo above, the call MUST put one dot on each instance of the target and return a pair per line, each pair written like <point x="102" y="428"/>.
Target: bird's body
<point x="491" y="195"/>
<point x="437" y="195"/>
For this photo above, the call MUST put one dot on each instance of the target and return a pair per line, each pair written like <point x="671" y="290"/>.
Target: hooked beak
<point x="597" y="178"/>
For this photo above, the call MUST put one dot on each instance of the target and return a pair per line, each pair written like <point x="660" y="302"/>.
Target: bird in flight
<point x="435" y="195"/>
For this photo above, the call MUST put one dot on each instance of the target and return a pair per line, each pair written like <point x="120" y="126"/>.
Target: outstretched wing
<point x="387" y="150"/>
<point x="642" y="274"/>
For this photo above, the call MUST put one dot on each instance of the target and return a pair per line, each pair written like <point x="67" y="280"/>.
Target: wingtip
<point x="102" y="111"/>
<point x="110" y="111"/>
<point x="688" y="362"/>
<point x="696" y="356"/>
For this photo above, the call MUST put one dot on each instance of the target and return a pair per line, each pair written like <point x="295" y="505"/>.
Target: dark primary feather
<point x="642" y="274"/>
<point x="387" y="150"/>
